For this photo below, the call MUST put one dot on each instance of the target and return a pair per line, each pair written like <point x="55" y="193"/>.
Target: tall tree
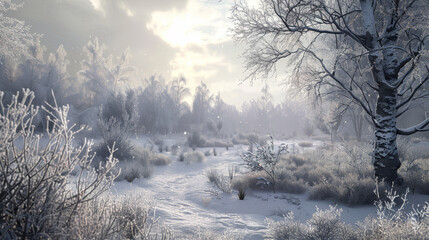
<point x="202" y="103"/>
<point x="178" y="91"/>
<point x="266" y="105"/>
<point x="389" y="36"/>
<point x="102" y="76"/>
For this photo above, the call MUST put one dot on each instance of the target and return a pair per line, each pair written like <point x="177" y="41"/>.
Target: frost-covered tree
<point x="390" y="36"/>
<point x="266" y="159"/>
<point x="45" y="78"/>
<point x="202" y="103"/>
<point x="266" y="105"/>
<point x="59" y="80"/>
<point x="159" y="107"/>
<point x="178" y="90"/>
<point x="102" y="76"/>
<point x="15" y="36"/>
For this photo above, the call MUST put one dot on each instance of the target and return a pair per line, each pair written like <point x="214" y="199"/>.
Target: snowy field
<point x="186" y="201"/>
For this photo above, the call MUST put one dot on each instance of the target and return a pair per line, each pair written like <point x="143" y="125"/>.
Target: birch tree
<point x="387" y="38"/>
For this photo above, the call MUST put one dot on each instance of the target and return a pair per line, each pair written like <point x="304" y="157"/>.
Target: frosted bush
<point x="136" y="219"/>
<point x="123" y="217"/>
<point x="324" y="224"/>
<point x="265" y="159"/>
<point x="195" y="140"/>
<point x="114" y="134"/>
<point x="160" y="160"/>
<point x="392" y="222"/>
<point x="39" y="198"/>
<point x="223" y="183"/>
<point x="130" y="170"/>
<point x="193" y="157"/>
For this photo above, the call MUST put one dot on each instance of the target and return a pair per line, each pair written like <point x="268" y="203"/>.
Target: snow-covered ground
<point x="186" y="201"/>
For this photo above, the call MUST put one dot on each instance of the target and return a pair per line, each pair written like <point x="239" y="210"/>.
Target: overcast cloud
<point x="166" y="37"/>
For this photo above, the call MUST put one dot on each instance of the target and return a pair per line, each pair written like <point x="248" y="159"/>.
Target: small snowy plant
<point x="393" y="222"/>
<point x="265" y="159"/>
<point x="39" y="199"/>
<point x="241" y="193"/>
<point x="221" y="182"/>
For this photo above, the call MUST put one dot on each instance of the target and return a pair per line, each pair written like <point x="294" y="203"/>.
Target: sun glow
<point x="200" y="23"/>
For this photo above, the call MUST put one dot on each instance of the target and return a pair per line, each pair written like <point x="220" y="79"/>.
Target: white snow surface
<point x="185" y="201"/>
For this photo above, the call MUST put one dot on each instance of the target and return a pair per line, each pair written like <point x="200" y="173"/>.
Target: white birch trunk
<point x="383" y="66"/>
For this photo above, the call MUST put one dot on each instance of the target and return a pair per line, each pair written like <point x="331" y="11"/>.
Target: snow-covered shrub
<point x="328" y="173"/>
<point x="259" y="181"/>
<point x="125" y="217"/>
<point x="145" y="156"/>
<point x="220" y="181"/>
<point x="350" y="190"/>
<point x="94" y="220"/>
<point x="120" y="108"/>
<point x="265" y="159"/>
<point x="415" y="171"/>
<point x="140" y="165"/>
<point x="114" y="134"/>
<point x="192" y="157"/>
<point x="327" y="225"/>
<point x="314" y="175"/>
<point x="213" y="175"/>
<point x="286" y="229"/>
<point x="135" y="218"/>
<point x="39" y="197"/>
<point x="250" y="180"/>
<point x="132" y="169"/>
<point x="392" y="222"/>
<point x="291" y="185"/>
<point x="116" y="120"/>
<point x="322" y="225"/>
<point x="195" y="140"/>
<point x="159" y="159"/>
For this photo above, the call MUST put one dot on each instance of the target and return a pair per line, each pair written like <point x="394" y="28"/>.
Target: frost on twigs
<point x="393" y="222"/>
<point x="38" y="196"/>
<point x="265" y="159"/>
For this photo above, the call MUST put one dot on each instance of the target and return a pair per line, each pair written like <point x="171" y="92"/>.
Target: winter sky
<point x="166" y="37"/>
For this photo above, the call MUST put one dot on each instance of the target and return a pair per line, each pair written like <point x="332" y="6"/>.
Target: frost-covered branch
<point x="46" y="178"/>
<point x="265" y="159"/>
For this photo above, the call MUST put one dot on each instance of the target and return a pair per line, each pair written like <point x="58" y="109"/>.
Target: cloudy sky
<point x="166" y="37"/>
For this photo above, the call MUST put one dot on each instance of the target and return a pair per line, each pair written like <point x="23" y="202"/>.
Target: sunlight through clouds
<point x="196" y="32"/>
<point x="202" y="65"/>
<point x="200" y="23"/>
